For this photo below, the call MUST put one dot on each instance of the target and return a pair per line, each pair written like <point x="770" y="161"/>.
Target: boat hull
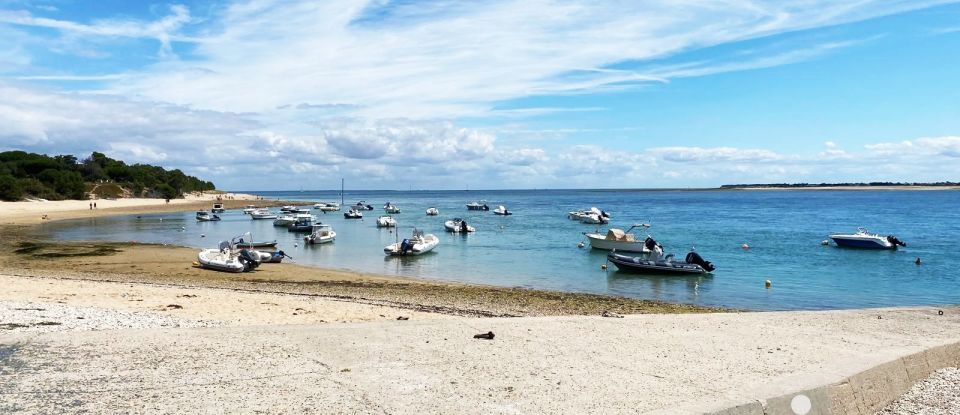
<point x="862" y="243"/>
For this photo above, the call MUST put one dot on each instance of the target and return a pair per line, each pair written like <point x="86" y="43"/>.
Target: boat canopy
<point x="619" y="235"/>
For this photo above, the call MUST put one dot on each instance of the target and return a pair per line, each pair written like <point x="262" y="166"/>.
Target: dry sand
<point x="18" y="213"/>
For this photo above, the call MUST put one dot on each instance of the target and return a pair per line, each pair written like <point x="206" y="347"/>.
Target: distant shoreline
<point x="858" y="187"/>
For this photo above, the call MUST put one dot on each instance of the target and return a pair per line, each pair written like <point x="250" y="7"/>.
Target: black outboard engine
<point x="604" y="214"/>
<point x="249" y="259"/>
<point x="463" y="226"/>
<point x="405" y="246"/>
<point x="485" y="207"/>
<point x="893" y="240"/>
<point x="695" y="258"/>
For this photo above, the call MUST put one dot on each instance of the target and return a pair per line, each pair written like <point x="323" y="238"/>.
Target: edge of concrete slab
<point x="861" y="394"/>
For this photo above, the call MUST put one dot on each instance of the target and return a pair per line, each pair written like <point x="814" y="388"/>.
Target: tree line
<point x="779" y="185"/>
<point x="24" y="174"/>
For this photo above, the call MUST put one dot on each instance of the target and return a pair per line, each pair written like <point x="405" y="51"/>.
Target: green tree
<point x="9" y="188"/>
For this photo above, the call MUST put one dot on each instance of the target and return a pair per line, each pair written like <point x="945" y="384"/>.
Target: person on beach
<point x="91" y="205"/>
<point x="94" y="205"/>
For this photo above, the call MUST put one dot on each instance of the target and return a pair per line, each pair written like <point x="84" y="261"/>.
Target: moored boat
<point x="218" y="208"/>
<point x="321" y="234"/>
<point x="457" y="225"/>
<point x="353" y="214"/>
<point x="865" y="240"/>
<point x="249" y="208"/>
<point x="252" y="244"/>
<point x="386" y="221"/>
<point x="262" y="214"/>
<point x="481" y="205"/>
<point x="302" y="224"/>
<point x="417" y="244"/>
<point x="204" y="216"/>
<point x="693" y="264"/>
<point x="432" y="211"/>
<point x="620" y="240"/>
<point x="502" y="210"/>
<point x="391" y="208"/>
<point x="284" y="220"/>
<point x="327" y="206"/>
<point x="361" y="205"/>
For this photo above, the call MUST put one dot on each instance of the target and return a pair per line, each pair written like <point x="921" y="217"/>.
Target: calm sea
<point x="537" y="246"/>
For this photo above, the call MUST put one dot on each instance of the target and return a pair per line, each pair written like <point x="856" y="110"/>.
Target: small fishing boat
<point x="457" y="225"/>
<point x="274" y="257"/>
<point x="481" y="205"/>
<point x="228" y="259"/>
<point x="302" y="224"/>
<point x="327" y="206"/>
<point x="303" y="211"/>
<point x="264" y="244"/>
<point x="287" y="209"/>
<point x="321" y="234"/>
<point x="588" y="215"/>
<point x="619" y="239"/>
<point x="262" y="214"/>
<point x="218" y="208"/>
<point x="353" y="214"/>
<point x="433" y="211"/>
<point x="249" y="208"/>
<point x="204" y="216"/>
<point x="361" y="205"/>
<point x="501" y="210"/>
<point x="386" y="221"/>
<point x="284" y="220"/>
<point x="417" y="244"/>
<point x="866" y="240"/>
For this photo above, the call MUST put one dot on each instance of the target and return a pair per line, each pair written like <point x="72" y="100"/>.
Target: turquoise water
<point x="537" y="246"/>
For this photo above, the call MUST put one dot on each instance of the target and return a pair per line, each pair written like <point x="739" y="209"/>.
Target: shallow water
<point x="537" y="246"/>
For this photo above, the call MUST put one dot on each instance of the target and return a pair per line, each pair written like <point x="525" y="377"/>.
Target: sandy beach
<point x="128" y="327"/>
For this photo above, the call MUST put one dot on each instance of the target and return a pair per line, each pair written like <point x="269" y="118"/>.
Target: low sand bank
<point x="676" y="364"/>
<point x="22" y="213"/>
<point x="157" y="264"/>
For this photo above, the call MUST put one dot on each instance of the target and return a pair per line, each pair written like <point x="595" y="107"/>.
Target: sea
<point x="538" y="246"/>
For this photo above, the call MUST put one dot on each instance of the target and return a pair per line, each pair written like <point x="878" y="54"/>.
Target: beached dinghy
<point x="353" y="214"/>
<point x="501" y="210"/>
<point x="620" y="240"/>
<point x="228" y="259"/>
<point x="321" y="234"/>
<point x="659" y="264"/>
<point x="433" y="211"/>
<point x="265" y="244"/>
<point x="386" y="221"/>
<point x="418" y="244"/>
<point x="204" y="216"/>
<point x="457" y="225"/>
<point x="274" y="257"/>
<point x="866" y="240"/>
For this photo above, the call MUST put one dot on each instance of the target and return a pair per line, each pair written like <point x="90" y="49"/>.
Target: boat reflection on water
<point x="670" y="288"/>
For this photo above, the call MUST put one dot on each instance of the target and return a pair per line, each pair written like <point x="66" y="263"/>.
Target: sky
<point x="499" y="94"/>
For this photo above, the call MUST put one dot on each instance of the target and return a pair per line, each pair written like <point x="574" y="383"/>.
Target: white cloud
<point x="947" y="146"/>
<point x="699" y="154"/>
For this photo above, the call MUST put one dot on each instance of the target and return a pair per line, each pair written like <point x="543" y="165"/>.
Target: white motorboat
<point x="305" y="211"/>
<point x="250" y="208"/>
<point x="287" y="209"/>
<point x="433" y="211"/>
<point x="353" y="214"/>
<point x="692" y="264"/>
<point x="391" y="208"/>
<point x="303" y="223"/>
<point x="204" y="216"/>
<point x="386" y="221"/>
<point x="866" y="240"/>
<point x="481" y="205"/>
<point x="501" y="210"/>
<point x="417" y="244"/>
<point x="218" y="208"/>
<point x="327" y="206"/>
<point x="579" y="215"/>
<point x="262" y="214"/>
<point x="362" y="206"/>
<point x="284" y="220"/>
<point x="321" y="234"/>
<point x="457" y="225"/>
<point x="619" y="240"/>
<point x="228" y="259"/>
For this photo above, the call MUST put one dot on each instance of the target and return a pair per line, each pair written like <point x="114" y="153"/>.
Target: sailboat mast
<point x="341" y="191"/>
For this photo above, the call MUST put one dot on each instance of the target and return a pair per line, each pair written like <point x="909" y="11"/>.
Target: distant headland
<point x="846" y="186"/>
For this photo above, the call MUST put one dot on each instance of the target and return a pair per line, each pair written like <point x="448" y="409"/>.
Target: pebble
<point x="937" y="394"/>
<point x="18" y="316"/>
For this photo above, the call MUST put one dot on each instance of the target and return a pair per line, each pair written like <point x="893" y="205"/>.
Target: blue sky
<point x="500" y="94"/>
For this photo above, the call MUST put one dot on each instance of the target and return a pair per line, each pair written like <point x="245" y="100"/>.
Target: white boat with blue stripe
<point x="865" y="240"/>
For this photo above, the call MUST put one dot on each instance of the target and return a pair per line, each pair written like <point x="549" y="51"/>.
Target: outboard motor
<point x="893" y="240"/>
<point x="695" y="258"/>
<point x="651" y="244"/>
<point x="406" y="246"/>
<point x="463" y="226"/>
<point x="485" y="207"/>
<point x="249" y="259"/>
<point x="604" y="214"/>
